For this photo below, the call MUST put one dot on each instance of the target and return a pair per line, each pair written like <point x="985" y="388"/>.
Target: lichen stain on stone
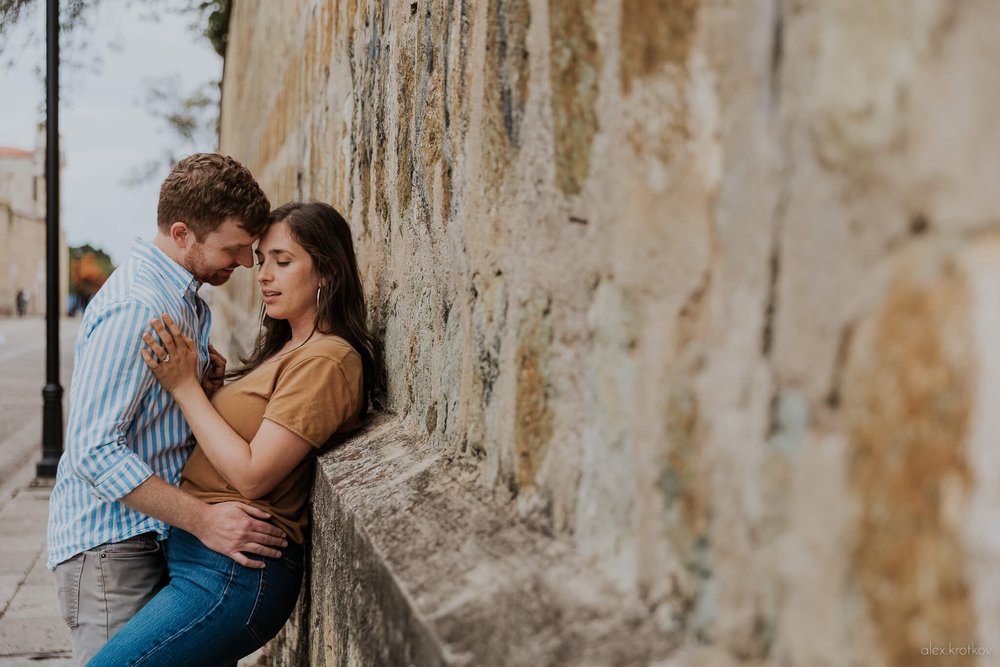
<point x="405" y="91"/>
<point x="489" y="319"/>
<point x="533" y="413"/>
<point x="328" y="33"/>
<point x="512" y="23"/>
<point x="429" y="137"/>
<point x="683" y="487"/>
<point x="574" y="69"/>
<point x="453" y="96"/>
<point x="285" y="111"/>
<point x="431" y="418"/>
<point x="681" y="481"/>
<point x="654" y="33"/>
<point x="909" y="422"/>
<point x="369" y="73"/>
<point x="505" y="81"/>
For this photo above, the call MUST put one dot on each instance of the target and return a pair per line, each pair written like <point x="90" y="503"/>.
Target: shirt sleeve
<point x="114" y="381"/>
<point x="315" y="397"/>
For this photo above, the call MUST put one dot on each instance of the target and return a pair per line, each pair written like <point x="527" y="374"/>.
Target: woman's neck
<point x="302" y="329"/>
<point x="296" y="341"/>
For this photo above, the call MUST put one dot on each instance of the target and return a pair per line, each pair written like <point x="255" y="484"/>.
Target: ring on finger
<point x="166" y="359"/>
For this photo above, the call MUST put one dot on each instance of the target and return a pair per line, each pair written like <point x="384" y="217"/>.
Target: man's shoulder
<point x="136" y="282"/>
<point x="128" y="300"/>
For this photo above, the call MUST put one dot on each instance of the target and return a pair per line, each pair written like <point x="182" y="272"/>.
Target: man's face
<point x="213" y="259"/>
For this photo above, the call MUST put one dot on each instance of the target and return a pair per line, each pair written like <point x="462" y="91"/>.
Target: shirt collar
<point x="174" y="273"/>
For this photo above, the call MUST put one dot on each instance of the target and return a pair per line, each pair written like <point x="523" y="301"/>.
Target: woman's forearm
<point x="226" y="450"/>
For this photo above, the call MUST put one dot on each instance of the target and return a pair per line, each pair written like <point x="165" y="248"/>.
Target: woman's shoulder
<point x="329" y="346"/>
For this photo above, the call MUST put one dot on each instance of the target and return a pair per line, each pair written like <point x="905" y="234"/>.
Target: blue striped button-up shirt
<point x="123" y="426"/>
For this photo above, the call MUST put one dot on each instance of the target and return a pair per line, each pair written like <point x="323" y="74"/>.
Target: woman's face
<point x="286" y="276"/>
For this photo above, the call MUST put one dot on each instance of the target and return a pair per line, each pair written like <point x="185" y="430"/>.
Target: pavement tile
<point x="39" y="574"/>
<point x="18" y="560"/>
<point x="20" y="636"/>
<point x="8" y="586"/>
<point x="25" y="530"/>
<point x="28" y="504"/>
<point x="33" y="601"/>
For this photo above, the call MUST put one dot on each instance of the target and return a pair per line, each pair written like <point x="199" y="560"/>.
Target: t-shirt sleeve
<point x="314" y="398"/>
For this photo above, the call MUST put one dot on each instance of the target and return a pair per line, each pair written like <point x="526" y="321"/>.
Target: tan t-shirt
<point x="313" y="391"/>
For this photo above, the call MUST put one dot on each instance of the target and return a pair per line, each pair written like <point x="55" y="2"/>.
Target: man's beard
<point x="217" y="278"/>
<point x="196" y="260"/>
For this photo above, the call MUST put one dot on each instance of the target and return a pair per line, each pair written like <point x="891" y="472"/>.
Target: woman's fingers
<point x="148" y="358"/>
<point x="177" y="333"/>
<point x="172" y="326"/>
<point x="165" y="336"/>
<point x="155" y="347"/>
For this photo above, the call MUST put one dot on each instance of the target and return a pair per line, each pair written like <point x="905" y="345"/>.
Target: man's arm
<point x="229" y="528"/>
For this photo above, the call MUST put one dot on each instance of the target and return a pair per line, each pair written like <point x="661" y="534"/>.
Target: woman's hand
<point x="174" y="360"/>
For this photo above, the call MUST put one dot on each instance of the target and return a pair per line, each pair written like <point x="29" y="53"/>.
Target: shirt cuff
<point x="122" y="478"/>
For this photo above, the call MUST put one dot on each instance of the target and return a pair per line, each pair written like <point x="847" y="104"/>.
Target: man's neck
<point x="166" y="244"/>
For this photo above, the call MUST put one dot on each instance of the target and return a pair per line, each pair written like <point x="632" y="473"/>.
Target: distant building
<point x="22" y="232"/>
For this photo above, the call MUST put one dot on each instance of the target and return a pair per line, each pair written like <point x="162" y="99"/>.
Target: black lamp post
<point x="52" y="423"/>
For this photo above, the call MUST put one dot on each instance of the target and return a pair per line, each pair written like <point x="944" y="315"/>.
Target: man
<point x="126" y="440"/>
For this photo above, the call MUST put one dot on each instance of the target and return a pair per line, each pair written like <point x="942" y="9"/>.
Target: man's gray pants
<point x="100" y="589"/>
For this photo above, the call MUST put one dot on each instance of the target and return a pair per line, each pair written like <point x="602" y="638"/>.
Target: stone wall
<point x="706" y="291"/>
<point x="22" y="231"/>
<point x="22" y="256"/>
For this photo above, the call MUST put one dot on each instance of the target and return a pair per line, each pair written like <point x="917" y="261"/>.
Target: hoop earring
<point x="317" y="297"/>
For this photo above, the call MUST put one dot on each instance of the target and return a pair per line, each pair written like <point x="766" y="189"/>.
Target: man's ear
<point x="180" y="233"/>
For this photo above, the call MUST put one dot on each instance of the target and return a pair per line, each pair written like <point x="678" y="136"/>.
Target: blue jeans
<point x="213" y="612"/>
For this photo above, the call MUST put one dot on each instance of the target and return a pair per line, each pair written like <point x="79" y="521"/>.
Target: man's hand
<point x="231" y="528"/>
<point x="215" y="376"/>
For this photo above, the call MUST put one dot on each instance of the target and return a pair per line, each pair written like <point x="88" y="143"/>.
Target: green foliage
<point x="217" y="24"/>
<point x="211" y="17"/>
<point x="190" y="116"/>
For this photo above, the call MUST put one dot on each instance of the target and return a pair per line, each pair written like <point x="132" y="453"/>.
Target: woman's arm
<point x="252" y="468"/>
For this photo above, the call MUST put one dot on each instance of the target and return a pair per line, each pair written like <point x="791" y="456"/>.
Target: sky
<point x="106" y="131"/>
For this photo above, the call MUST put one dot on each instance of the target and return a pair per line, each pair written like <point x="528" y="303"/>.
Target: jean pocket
<point x="67" y="575"/>
<point x="136" y="547"/>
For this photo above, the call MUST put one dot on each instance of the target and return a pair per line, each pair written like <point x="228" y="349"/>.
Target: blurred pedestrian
<point x="21" y="301"/>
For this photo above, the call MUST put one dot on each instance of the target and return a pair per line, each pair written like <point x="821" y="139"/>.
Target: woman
<point x="309" y="377"/>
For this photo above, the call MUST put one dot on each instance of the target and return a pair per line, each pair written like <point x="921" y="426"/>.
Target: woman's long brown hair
<point x="341" y="311"/>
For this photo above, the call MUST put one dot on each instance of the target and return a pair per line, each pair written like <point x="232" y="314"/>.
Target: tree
<point x="189" y="116"/>
<point x="89" y="268"/>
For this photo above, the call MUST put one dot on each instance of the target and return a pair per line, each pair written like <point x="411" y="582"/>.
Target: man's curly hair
<point x="205" y="189"/>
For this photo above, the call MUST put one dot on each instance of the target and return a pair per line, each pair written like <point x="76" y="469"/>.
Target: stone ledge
<point x="410" y="566"/>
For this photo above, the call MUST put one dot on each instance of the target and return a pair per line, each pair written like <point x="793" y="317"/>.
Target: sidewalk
<point x="31" y="630"/>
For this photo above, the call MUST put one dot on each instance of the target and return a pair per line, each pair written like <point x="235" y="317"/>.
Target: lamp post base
<point x="52" y="424"/>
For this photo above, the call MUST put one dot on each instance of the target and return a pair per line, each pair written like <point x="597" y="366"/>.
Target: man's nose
<point x="245" y="258"/>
